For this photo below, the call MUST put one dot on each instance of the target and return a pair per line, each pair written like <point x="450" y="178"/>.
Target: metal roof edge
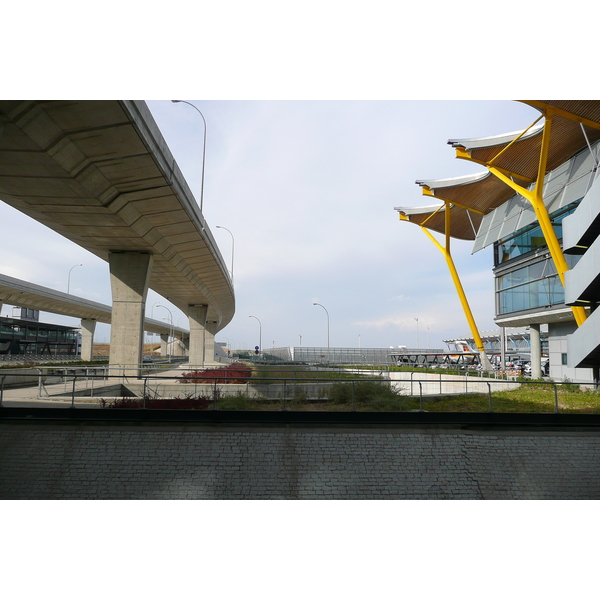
<point x="453" y="181"/>
<point x="494" y="140"/>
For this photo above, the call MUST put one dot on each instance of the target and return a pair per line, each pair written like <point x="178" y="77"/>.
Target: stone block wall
<point x="125" y="461"/>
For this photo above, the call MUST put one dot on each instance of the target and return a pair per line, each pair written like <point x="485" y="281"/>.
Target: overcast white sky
<point x="308" y="190"/>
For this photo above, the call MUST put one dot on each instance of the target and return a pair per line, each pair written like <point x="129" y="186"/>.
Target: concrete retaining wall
<point x="198" y="461"/>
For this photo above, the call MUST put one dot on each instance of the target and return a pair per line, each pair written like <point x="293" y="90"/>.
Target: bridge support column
<point x="88" y="326"/>
<point x="536" y="351"/>
<point x="184" y="345"/>
<point x="164" y="345"/>
<point x="129" y="277"/>
<point x="209" y="341"/>
<point x="178" y="347"/>
<point x="197" y="316"/>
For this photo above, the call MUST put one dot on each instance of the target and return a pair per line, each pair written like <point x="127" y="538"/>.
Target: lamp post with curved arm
<point x="317" y="304"/>
<point x="203" y="149"/>
<point x="232" y="248"/>
<point x="69" y="277"/>
<point x="259" y="332"/>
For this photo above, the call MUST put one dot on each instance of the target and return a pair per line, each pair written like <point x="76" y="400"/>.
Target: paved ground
<point x="125" y="461"/>
<point x="432" y="384"/>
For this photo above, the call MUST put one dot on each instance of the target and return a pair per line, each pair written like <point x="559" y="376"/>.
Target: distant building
<point x="26" y="335"/>
<point x="342" y="356"/>
<point x="516" y="341"/>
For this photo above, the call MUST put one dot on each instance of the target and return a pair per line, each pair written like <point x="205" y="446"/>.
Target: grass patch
<point x="529" y="398"/>
<point x="380" y="397"/>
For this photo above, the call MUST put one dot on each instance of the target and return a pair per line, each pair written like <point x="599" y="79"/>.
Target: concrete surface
<point x="42" y="460"/>
<point x="129" y="277"/>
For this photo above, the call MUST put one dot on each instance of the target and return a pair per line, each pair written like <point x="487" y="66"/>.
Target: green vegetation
<point x="379" y="397"/>
<point x="337" y="390"/>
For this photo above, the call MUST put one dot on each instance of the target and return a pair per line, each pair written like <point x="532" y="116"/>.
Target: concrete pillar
<point x="536" y="351"/>
<point x="129" y="276"/>
<point x="197" y="316"/>
<point x="185" y="345"/>
<point x="88" y="326"/>
<point x="178" y="347"/>
<point x="209" y="342"/>
<point x="164" y="345"/>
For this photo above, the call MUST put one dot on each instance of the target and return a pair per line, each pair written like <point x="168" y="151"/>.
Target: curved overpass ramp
<point x="101" y="174"/>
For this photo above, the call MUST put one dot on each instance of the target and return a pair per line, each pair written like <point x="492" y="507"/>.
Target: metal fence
<point x="98" y="388"/>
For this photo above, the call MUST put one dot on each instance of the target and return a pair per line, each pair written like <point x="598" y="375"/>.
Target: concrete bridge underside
<point x="101" y="174"/>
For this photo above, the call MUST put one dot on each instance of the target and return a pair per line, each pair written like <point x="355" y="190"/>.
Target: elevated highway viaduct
<point x="29" y="295"/>
<point x="101" y="174"/>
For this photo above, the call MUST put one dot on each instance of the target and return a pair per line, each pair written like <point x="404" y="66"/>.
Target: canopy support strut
<point x="445" y="250"/>
<point x="535" y="198"/>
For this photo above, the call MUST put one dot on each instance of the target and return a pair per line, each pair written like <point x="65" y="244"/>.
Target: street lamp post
<point x="152" y="311"/>
<point x="417" y="320"/>
<point x="171" y="335"/>
<point x="317" y="304"/>
<point x="232" y="248"/>
<point x="227" y="343"/>
<point x="171" y="316"/>
<point x="259" y="332"/>
<point x="203" y="149"/>
<point x="69" y="277"/>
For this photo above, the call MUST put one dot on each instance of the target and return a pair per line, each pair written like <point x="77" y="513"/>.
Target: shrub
<point x="189" y="402"/>
<point x="569" y="386"/>
<point x="364" y="392"/>
<point x="233" y="373"/>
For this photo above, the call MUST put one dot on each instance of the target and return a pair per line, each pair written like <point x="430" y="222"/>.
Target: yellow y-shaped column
<point x="445" y="250"/>
<point x="536" y="200"/>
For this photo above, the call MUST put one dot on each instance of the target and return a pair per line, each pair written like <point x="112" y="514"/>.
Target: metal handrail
<point x="215" y="384"/>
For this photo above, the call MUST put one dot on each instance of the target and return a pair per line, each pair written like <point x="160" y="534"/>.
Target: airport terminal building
<point x="538" y="206"/>
<point x="527" y="287"/>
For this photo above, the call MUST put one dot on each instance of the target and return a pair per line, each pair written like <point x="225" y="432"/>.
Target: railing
<point x="97" y="387"/>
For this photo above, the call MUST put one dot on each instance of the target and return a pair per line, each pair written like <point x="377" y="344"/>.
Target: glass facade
<point x="533" y="286"/>
<point x="536" y="284"/>
<point x="25" y="337"/>
<point x="530" y="238"/>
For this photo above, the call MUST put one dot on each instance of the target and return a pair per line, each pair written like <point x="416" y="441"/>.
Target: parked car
<point x="546" y="368"/>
